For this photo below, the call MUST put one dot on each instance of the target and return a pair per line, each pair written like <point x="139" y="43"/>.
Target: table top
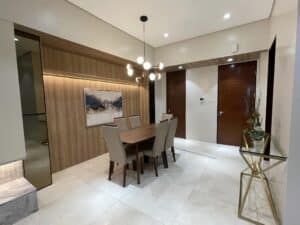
<point x="258" y="148"/>
<point x="139" y="134"/>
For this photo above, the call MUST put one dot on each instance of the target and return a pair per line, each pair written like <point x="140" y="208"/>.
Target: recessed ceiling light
<point x="230" y="60"/>
<point x="180" y="67"/>
<point x="227" y="16"/>
<point x="166" y="35"/>
<point x="16" y="39"/>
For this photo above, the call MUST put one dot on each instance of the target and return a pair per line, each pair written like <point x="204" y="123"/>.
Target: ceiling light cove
<point x="227" y="16"/>
<point x="230" y="60"/>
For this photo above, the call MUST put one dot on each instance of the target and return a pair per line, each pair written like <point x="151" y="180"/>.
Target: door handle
<point x="221" y="113"/>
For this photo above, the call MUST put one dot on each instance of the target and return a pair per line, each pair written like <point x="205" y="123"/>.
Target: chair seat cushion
<point x="148" y="152"/>
<point x="131" y="157"/>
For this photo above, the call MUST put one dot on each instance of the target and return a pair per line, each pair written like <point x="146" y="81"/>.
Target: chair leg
<point x="111" y="169"/>
<point x="165" y="159"/>
<point x="155" y="166"/>
<point x="142" y="165"/>
<point x="134" y="165"/>
<point x="124" y="175"/>
<point x="173" y="153"/>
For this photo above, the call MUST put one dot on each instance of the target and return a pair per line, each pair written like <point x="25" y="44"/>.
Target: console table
<point x="254" y="153"/>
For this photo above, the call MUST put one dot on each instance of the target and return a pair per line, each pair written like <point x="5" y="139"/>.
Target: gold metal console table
<point x="254" y="154"/>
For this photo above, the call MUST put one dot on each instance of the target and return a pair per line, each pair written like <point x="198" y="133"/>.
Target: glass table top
<point x="249" y="146"/>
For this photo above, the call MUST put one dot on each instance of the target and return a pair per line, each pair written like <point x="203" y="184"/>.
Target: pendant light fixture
<point x="142" y="60"/>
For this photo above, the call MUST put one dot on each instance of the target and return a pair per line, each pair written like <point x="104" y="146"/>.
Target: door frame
<point x="25" y="34"/>
<point x="270" y="91"/>
<point x="218" y="103"/>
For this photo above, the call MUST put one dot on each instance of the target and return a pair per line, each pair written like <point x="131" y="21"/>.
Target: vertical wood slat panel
<point x="71" y="142"/>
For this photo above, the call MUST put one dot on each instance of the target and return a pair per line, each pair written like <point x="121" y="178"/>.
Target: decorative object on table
<point x="153" y="71"/>
<point x="254" y="158"/>
<point x="254" y="123"/>
<point x="102" y="107"/>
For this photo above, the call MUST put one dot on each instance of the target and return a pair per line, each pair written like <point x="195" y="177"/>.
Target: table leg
<point x="244" y="199"/>
<point x="137" y="163"/>
<point x="270" y="198"/>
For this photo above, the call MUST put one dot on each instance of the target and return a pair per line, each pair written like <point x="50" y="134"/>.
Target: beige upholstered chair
<point x="135" y="121"/>
<point x="158" y="146"/>
<point x="122" y="123"/>
<point x="171" y="135"/>
<point x="166" y="116"/>
<point x="117" y="151"/>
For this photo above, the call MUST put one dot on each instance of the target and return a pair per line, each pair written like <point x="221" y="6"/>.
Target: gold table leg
<point x="255" y="171"/>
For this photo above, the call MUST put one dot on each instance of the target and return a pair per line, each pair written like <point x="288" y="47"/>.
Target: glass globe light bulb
<point x="152" y="76"/>
<point x="130" y="72"/>
<point x="158" y="76"/>
<point x="128" y="66"/>
<point x="140" y="60"/>
<point x="161" y="66"/>
<point x="147" y="65"/>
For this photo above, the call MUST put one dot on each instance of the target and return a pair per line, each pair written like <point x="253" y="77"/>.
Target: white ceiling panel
<point x="181" y="19"/>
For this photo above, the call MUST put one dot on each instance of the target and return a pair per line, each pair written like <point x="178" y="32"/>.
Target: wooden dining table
<point x="135" y="137"/>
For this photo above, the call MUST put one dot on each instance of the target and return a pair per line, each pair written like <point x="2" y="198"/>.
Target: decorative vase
<point x="258" y="138"/>
<point x="258" y="146"/>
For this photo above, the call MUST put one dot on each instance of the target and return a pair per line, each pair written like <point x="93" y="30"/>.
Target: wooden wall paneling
<point x="71" y="142"/>
<point x="68" y="63"/>
<point x="66" y="74"/>
<point x="144" y="102"/>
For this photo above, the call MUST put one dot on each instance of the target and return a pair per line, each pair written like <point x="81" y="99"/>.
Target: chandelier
<point x="153" y="71"/>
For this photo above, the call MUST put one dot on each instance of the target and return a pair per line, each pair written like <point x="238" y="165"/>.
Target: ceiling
<point x="181" y="19"/>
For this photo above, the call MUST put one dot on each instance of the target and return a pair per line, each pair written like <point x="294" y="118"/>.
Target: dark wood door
<point x="176" y="99"/>
<point x="152" y="101"/>
<point x="236" y="100"/>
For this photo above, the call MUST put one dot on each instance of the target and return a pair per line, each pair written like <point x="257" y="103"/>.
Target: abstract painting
<point x="101" y="107"/>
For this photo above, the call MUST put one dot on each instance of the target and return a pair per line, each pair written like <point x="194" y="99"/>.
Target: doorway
<point x="270" y="90"/>
<point x="152" y="101"/>
<point x="37" y="167"/>
<point x="236" y="100"/>
<point x="176" y="101"/>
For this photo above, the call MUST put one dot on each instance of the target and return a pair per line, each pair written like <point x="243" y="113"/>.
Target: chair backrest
<point x="166" y="116"/>
<point x="122" y="123"/>
<point x="171" y="133"/>
<point x="135" y="121"/>
<point x="161" y="131"/>
<point x="114" y="145"/>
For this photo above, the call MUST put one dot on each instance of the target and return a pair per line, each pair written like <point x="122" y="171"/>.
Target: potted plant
<point x="254" y="130"/>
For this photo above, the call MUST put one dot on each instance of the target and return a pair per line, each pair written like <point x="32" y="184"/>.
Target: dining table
<point x="135" y="137"/>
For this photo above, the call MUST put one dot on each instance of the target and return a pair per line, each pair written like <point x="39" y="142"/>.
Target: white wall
<point x="262" y="84"/>
<point x="251" y="37"/>
<point x="12" y="145"/>
<point x="284" y="27"/>
<point x="160" y="97"/>
<point x="201" y="117"/>
<point x="293" y="179"/>
<point x="64" y="20"/>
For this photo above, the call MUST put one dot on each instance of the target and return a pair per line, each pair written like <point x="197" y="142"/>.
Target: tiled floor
<point x="200" y="188"/>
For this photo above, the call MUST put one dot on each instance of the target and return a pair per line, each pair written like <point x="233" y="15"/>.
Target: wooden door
<point x="176" y="99"/>
<point x="236" y="100"/>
